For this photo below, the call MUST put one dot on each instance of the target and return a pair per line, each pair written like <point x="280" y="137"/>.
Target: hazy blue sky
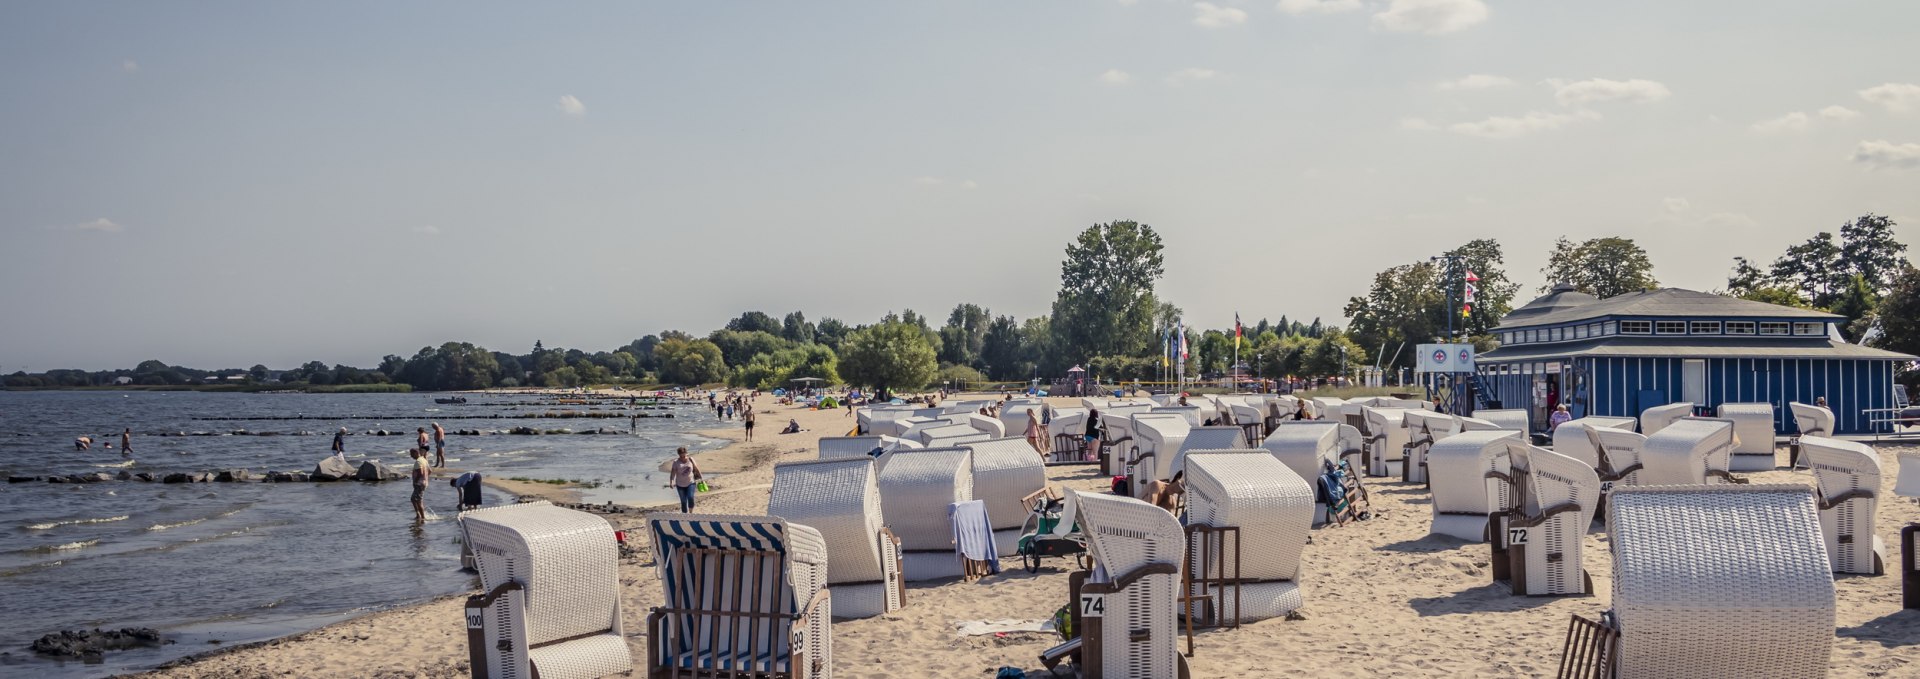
<point x="220" y="184"/>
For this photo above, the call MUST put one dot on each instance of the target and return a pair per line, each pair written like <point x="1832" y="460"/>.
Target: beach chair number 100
<point x="475" y="621"/>
<point x="1093" y="605"/>
<point x="1516" y="536"/>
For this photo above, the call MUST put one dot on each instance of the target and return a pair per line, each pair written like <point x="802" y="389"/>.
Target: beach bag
<point x="1333" y="489"/>
<point x="1122" y="486"/>
<point x="1063" y="621"/>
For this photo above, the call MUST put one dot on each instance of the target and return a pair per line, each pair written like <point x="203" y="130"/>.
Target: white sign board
<point x="1445" y="358"/>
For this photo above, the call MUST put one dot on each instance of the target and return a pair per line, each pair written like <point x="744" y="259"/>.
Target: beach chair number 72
<point x="1516" y="536"/>
<point x="1093" y="605"/>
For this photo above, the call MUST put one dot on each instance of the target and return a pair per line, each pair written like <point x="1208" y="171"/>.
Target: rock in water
<point x="232" y="475"/>
<point x="333" y="469"/>
<point x="77" y="643"/>
<point x="177" y="477"/>
<point x="22" y="479"/>
<point x="143" y="476"/>
<point x="374" y="471"/>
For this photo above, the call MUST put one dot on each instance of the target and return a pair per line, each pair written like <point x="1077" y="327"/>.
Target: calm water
<point x="246" y="561"/>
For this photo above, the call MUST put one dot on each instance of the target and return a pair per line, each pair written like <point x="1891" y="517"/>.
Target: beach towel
<point x="973" y="534"/>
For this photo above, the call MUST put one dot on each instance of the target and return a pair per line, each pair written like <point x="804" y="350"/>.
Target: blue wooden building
<point x="1621" y="355"/>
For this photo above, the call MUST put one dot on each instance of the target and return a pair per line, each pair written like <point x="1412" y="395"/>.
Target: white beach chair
<point x="743" y="594"/>
<point x="909" y="428"/>
<point x="960" y="440"/>
<point x="1907" y="484"/>
<point x="927" y="435"/>
<point x="1013" y="415"/>
<point x="1117" y="440"/>
<point x="1190" y="413"/>
<point x="1005" y="472"/>
<point x="1126" y="605"/>
<point x="1464" y="495"/>
<point x="1512" y="419"/>
<point x="916" y="487"/>
<point x="1570" y="438"/>
<point x="841" y="499"/>
<point x="836" y="447"/>
<point x="1069" y="434"/>
<point x="1308" y="446"/>
<point x="1206" y="438"/>
<point x="1327" y="407"/>
<point x="1654" y="419"/>
<point x="1271" y="510"/>
<point x="1690" y="451"/>
<point x="986" y="425"/>
<point x="1618" y="453"/>
<point x="1753" y="429"/>
<point x="1544" y="534"/>
<point x="1720" y="581"/>
<point x="551" y="578"/>
<point x="1386" y="438"/>
<point x="1252" y="420"/>
<point x="1808" y="420"/>
<point x="1156" y="439"/>
<point x="1848" y="477"/>
<point x="1423" y="427"/>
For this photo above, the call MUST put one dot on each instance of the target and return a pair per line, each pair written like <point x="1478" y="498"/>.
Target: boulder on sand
<point x="78" y="643"/>
<point x="333" y="469"/>
<point x="374" y="471"/>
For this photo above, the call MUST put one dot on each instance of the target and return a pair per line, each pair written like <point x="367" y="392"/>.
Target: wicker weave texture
<point x="1004" y="471"/>
<point x="1555" y="547"/>
<point x="1753" y="428"/>
<point x="841" y="499"/>
<point x="1683" y="452"/>
<point x="1720" y="581"/>
<point x="1389" y="425"/>
<point x="1456" y="471"/>
<point x="1513" y="418"/>
<point x="1570" y="438"/>
<point x="1070" y="421"/>
<point x="915" y="488"/>
<point x="987" y="425"/>
<point x="1654" y="419"/>
<point x="1157" y="438"/>
<point x="1124" y="534"/>
<point x="1303" y="445"/>
<point x="1272" y="506"/>
<point x="1206" y="438"/>
<point x="947" y="431"/>
<point x="1840" y="467"/>
<point x="1908" y="483"/>
<point x="832" y="447"/>
<point x="1812" y="420"/>
<point x="957" y="441"/>
<point x="567" y="560"/>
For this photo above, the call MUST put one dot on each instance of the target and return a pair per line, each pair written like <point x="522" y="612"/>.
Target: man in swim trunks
<point x="439" y="445"/>
<point x="83" y="443"/>
<point x="126" y="441"/>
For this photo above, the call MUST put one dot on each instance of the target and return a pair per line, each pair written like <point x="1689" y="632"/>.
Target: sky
<point x="219" y="184"/>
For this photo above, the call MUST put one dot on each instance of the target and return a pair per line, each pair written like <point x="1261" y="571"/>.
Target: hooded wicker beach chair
<point x="1424" y="427"/>
<point x="1463" y="493"/>
<point x="1543" y="534"/>
<point x="1327" y="407"/>
<point x="1386" y="434"/>
<point x="1252" y="571"/>
<point x="1206" y="438"/>
<point x="1753" y="429"/>
<point x="1280" y="409"/>
<point x="991" y="427"/>
<point x="1308" y="446"/>
<point x="833" y="447"/>
<point x="1618" y="453"/>
<point x="1252" y="421"/>
<point x="1068" y="432"/>
<point x="551" y="606"/>
<point x="1570" y="438"/>
<point x="1690" y="451"/>
<point x="1156" y="439"/>
<point x="928" y="435"/>
<point x="1005" y="472"/>
<point x="1654" y="419"/>
<point x="1513" y="419"/>
<point x="909" y="428"/>
<point x="1848" y="477"/>
<point x="1720" y="581"/>
<point x="744" y="595"/>
<point x="961" y="440"/>
<point x="1013" y="415"/>
<point x="840" y="498"/>
<point x="1126" y="605"/>
<point x="1116" y="441"/>
<point x="1808" y="420"/>
<point x="916" y="486"/>
<point x="1192" y="414"/>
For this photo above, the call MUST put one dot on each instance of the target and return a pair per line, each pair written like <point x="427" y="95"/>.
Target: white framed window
<point x="1580" y="332"/>
<point x="1775" y="328"/>
<point x="1609" y="328"/>
<point x="1670" y="327"/>
<point x="1809" y="328"/>
<point x="1739" y="327"/>
<point x="1704" y="327"/>
<point x="1636" y="327"/>
<point x="1693" y="383"/>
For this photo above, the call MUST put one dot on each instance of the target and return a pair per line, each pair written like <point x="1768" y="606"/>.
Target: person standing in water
<point x="686" y="473"/>
<point x="421" y="440"/>
<point x="340" y="443"/>
<point x="748" y="417"/>
<point x="126" y="441"/>
<point x="439" y="446"/>
<point x="420" y="474"/>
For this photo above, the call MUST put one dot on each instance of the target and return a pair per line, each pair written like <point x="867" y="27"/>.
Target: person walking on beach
<point x="1093" y="434"/>
<point x="849" y="406"/>
<point x="420" y="474"/>
<point x="1046" y="427"/>
<point x="126" y="441"/>
<point x="1033" y="432"/>
<point x="748" y="417"/>
<point x="439" y="446"/>
<point x="686" y="473"/>
<point x="340" y="443"/>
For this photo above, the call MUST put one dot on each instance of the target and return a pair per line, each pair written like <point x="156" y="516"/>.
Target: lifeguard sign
<point x="1445" y="358"/>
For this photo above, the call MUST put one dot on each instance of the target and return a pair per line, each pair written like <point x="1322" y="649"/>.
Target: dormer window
<point x="1704" y="327"/>
<point x="1636" y="327"/>
<point x="1810" y="329"/>
<point x="1775" y="328"/>
<point x="1670" y="327"/>
<point x="1739" y="327"/>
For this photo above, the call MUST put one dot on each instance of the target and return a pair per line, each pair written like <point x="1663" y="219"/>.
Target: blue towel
<point x="973" y="533"/>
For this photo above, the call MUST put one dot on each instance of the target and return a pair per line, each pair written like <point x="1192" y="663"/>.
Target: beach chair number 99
<point x="1093" y="605"/>
<point x="1516" y="536"/>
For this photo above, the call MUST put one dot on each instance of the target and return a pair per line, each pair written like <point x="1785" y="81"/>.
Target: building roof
<point x="1691" y="347"/>
<point x="1557" y="308"/>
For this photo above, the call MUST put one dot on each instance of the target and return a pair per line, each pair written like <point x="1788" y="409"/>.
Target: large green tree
<point x="887" y="356"/>
<point x="1495" y="294"/>
<point x="1405" y="305"/>
<point x="964" y="336"/>
<point x="690" y="362"/>
<point x="1106" y="304"/>
<point x="1602" y="267"/>
<point x="1898" y="315"/>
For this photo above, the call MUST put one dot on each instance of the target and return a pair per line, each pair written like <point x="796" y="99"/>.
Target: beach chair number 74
<point x="1093" y="605"/>
<point x="1516" y="536"/>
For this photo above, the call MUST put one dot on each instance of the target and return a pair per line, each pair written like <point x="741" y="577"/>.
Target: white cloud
<point x="572" y="106"/>
<point x="1792" y="122"/>
<point x="1884" y="153"/>
<point x="1838" y="112"/>
<point x="1601" y="89"/>
<point x="1192" y="74"/>
<point x="1209" y="15"/>
<point x="1115" y="76"/>
<point x="1417" y="124"/>
<point x="130" y="66"/>
<point x="1477" y="81"/>
<point x="1896" y="97"/>
<point x="1508" y="127"/>
<point x="1432" y="17"/>
<point x="102" y="225"/>
<point x="1297" y="7"/>
<point x="928" y="181"/>
<point x="1676" y="205"/>
<point x="427" y="229"/>
<point x="969" y="185"/>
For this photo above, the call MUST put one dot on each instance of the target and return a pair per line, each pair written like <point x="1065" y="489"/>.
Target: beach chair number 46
<point x="1093" y="605"/>
<point x="1516" y="536"/>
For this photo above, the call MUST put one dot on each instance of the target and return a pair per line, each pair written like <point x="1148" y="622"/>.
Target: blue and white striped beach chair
<point x="744" y="594"/>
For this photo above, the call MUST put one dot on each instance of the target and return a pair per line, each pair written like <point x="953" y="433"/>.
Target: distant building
<point x="1621" y="355"/>
<point x="122" y="380"/>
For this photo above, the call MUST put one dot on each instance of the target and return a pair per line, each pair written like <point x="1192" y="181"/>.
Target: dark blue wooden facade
<point x="1623" y="387"/>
